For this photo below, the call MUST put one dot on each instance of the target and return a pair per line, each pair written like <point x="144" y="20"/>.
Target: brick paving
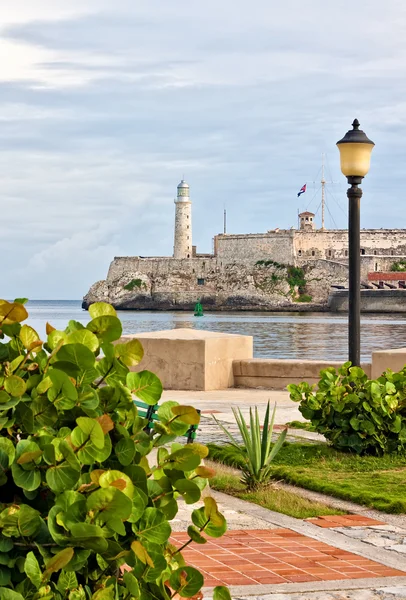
<point x="344" y="521"/>
<point x="252" y="557"/>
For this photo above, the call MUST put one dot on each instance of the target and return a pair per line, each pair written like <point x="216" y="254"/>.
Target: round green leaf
<point x="56" y="337"/>
<point x="118" y="480"/>
<point x="61" y="477"/>
<point x="28" y="336"/>
<point x="187" y="414"/>
<point x="189" y="490"/>
<point x="130" y="353"/>
<point x="6" y="594"/>
<point x="89" y="454"/>
<point x="15" y="386"/>
<point x="187" y="581"/>
<point x="214" y="525"/>
<point x="107" y="328"/>
<point x="29" y="521"/>
<point x="146" y="386"/>
<point x="78" y="354"/>
<point x="110" y="503"/>
<point x="101" y="309"/>
<point x="195" y="535"/>
<point x="62" y="387"/>
<point x="87" y="429"/>
<point x="28" y="480"/>
<point x="221" y="593"/>
<point x="125" y="451"/>
<point x="12" y="312"/>
<point x="184" y="459"/>
<point x="153" y="526"/>
<point x="84" y="337"/>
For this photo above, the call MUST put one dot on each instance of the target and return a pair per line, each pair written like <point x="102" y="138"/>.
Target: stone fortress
<point x="282" y="269"/>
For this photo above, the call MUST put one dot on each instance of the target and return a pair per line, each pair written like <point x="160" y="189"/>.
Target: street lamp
<point x="355" y="157"/>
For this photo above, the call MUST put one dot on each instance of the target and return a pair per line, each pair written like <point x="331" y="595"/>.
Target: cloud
<point x="104" y="108"/>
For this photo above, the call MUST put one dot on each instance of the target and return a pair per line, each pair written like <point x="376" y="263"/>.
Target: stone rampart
<point x="276" y="245"/>
<point x="379" y="301"/>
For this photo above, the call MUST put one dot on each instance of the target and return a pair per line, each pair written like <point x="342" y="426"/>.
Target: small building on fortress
<point x="281" y="269"/>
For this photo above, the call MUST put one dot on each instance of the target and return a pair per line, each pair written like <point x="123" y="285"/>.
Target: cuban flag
<point x="302" y="190"/>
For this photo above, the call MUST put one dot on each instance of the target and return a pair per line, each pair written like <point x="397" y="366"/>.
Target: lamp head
<point x="355" y="152"/>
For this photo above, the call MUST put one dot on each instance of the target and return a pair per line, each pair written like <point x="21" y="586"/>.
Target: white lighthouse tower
<point x="183" y="223"/>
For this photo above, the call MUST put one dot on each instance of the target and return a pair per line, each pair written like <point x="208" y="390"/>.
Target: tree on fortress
<point x="83" y="513"/>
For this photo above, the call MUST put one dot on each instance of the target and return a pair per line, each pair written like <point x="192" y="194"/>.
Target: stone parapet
<point x="189" y="359"/>
<point x="388" y="359"/>
<point x="276" y="374"/>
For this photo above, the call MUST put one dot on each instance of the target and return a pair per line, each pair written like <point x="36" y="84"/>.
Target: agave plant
<point x="257" y="451"/>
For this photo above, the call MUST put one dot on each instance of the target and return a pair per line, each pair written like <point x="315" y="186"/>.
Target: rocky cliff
<point x="165" y="284"/>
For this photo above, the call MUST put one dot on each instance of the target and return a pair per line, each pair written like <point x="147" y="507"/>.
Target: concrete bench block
<point x="190" y="359"/>
<point x="387" y="359"/>
<point x="276" y="374"/>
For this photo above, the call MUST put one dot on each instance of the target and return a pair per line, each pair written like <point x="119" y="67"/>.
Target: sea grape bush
<point x="354" y="413"/>
<point x="83" y="512"/>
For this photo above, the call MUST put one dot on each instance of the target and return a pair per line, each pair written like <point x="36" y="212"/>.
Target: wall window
<point x="391" y="252"/>
<point x="188" y="255"/>
<point x="374" y="252"/>
<point x="376" y="266"/>
<point x="363" y="251"/>
<point x="187" y="226"/>
<point x="345" y="252"/>
<point x="200" y="281"/>
<point x="329" y="252"/>
<point x="313" y="253"/>
<point x="299" y="253"/>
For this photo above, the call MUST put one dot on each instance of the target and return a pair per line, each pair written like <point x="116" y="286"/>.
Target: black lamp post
<point x="355" y="157"/>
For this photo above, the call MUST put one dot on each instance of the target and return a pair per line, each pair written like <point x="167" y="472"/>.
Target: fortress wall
<point x="160" y="266"/>
<point x="250" y="248"/>
<point x="333" y="244"/>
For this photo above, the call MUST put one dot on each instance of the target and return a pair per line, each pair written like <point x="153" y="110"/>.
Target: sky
<point x="105" y="106"/>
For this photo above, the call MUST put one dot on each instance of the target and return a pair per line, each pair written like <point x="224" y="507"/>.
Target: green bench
<point x="149" y="413"/>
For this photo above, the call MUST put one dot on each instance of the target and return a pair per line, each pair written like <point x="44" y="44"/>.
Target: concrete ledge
<point x="277" y="374"/>
<point x="388" y="359"/>
<point x="190" y="359"/>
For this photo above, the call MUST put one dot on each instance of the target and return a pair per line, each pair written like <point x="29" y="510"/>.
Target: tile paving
<point x="276" y="556"/>
<point x="344" y="521"/>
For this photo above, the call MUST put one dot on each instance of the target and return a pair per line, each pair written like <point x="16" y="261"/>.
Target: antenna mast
<point x="225" y="221"/>
<point x="323" y="192"/>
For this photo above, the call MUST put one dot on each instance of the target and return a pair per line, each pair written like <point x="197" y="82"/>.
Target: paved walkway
<point x="270" y="556"/>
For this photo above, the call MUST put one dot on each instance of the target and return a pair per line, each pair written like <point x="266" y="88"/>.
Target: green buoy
<point x="199" y="310"/>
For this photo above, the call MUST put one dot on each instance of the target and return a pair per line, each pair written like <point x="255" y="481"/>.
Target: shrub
<point x="304" y="298"/>
<point x="257" y="452"/>
<point x="134" y="283"/>
<point x="354" y="413"/>
<point x="399" y="266"/>
<point x="83" y="513"/>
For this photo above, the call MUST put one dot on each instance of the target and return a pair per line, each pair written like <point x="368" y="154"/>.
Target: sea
<point x="314" y="336"/>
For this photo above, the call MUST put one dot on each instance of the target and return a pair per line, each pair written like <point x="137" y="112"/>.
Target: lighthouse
<point x="183" y="223"/>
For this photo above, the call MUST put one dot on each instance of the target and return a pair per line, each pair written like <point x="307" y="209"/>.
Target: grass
<point x="301" y="425"/>
<point x="376" y="482"/>
<point x="271" y="496"/>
